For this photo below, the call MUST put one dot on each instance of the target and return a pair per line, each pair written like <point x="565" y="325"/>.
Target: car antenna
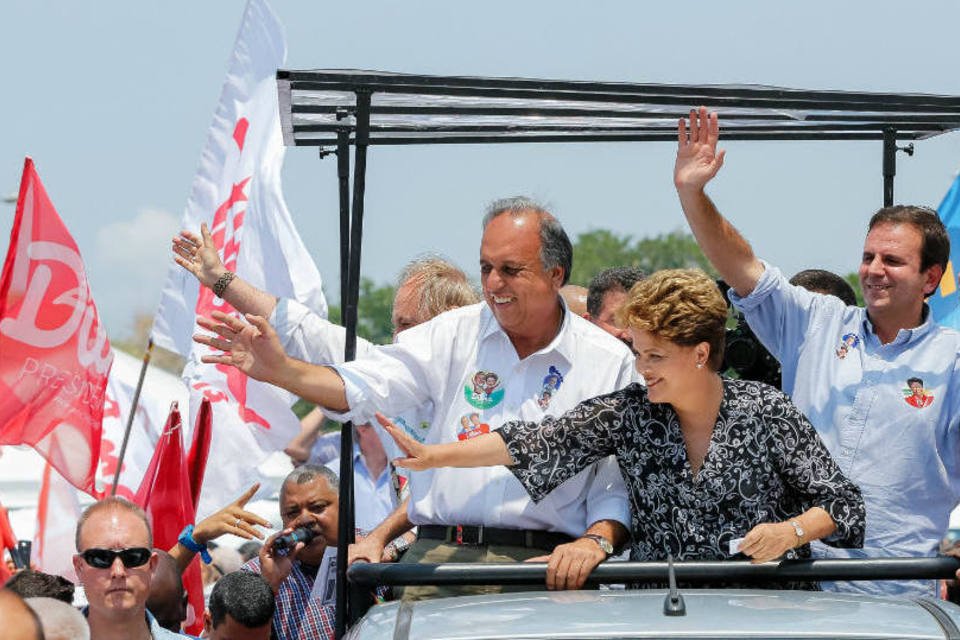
<point x="673" y="604"/>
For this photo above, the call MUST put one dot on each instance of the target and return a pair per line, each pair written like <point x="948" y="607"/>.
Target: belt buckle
<point x="458" y="538"/>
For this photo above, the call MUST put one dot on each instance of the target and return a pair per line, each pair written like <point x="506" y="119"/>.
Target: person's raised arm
<point x="199" y="256"/>
<point x="253" y="348"/>
<point x="233" y="519"/>
<point x="486" y="450"/>
<point x="698" y="161"/>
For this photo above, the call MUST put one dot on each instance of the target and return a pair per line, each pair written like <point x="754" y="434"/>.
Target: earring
<point x="699" y="365"/>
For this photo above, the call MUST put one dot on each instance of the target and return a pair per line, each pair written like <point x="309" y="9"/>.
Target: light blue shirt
<point x="374" y="498"/>
<point x="900" y="447"/>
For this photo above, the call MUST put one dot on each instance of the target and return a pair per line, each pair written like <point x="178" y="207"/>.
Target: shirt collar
<point x="562" y="343"/>
<point x="904" y="336"/>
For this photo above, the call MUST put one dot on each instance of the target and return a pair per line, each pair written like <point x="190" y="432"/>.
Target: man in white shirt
<point x="519" y="355"/>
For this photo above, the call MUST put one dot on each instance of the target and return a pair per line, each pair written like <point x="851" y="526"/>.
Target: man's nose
<point x="875" y="266"/>
<point x="118" y="569"/>
<point x="493" y="280"/>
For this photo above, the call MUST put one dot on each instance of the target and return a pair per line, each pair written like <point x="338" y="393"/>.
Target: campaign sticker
<point x="471" y="426"/>
<point x="847" y="342"/>
<point x="915" y="395"/>
<point x="551" y="384"/>
<point x="483" y="390"/>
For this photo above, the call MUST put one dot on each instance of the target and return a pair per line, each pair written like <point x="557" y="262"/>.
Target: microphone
<point x="288" y="541"/>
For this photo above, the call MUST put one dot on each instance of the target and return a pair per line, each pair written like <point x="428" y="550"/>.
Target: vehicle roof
<point x="639" y="614"/>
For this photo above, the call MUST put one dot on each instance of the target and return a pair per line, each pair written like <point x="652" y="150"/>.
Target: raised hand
<point x="233" y="518"/>
<point x="252" y="347"/>
<point x="697" y="157"/>
<point x="417" y="455"/>
<point x="198" y="255"/>
<point x="274" y="565"/>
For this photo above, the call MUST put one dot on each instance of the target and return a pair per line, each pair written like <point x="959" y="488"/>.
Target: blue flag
<point x="945" y="301"/>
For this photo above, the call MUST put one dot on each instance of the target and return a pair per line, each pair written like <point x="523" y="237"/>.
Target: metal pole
<point x="692" y="571"/>
<point x="133" y="412"/>
<point x="345" y="596"/>
<point x="343" y="180"/>
<point x="889" y="164"/>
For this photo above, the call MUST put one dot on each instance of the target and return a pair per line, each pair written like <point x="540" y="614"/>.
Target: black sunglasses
<point x="103" y="558"/>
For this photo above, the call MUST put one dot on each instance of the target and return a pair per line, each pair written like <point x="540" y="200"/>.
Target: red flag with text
<point x="54" y="354"/>
<point x="170" y="508"/>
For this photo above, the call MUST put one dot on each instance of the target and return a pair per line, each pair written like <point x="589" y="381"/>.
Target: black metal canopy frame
<point x="339" y="109"/>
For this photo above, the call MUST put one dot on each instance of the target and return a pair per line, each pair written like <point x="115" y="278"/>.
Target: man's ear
<point x="556" y="274"/>
<point x="207" y="623"/>
<point x="934" y="274"/>
<point x="78" y="563"/>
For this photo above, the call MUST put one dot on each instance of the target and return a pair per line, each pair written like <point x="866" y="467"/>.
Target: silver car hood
<point x="639" y="614"/>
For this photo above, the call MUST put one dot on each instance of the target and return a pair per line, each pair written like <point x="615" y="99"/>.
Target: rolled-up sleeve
<point x="307" y="336"/>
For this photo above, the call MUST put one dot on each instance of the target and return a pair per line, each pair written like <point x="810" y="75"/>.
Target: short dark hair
<point x="556" y="250"/>
<point x="244" y="596"/>
<point x="912" y="380"/>
<point x="612" y="279"/>
<point x="249" y="550"/>
<point x="823" y="281"/>
<point x="935" y="243"/>
<point x="37" y="584"/>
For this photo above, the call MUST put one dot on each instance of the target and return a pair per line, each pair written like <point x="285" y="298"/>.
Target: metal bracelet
<point x="222" y="283"/>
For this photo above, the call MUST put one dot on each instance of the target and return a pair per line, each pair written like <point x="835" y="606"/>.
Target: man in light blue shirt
<point x="881" y="384"/>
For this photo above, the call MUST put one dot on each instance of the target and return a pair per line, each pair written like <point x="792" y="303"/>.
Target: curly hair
<point x="684" y="306"/>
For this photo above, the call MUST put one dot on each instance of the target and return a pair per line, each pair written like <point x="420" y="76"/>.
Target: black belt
<point x="469" y="534"/>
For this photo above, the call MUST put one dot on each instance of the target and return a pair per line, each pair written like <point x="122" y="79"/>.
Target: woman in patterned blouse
<point x="716" y="467"/>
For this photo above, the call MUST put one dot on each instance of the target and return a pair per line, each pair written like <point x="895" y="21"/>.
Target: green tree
<point x="600" y="249"/>
<point x="854" y="280"/>
<point x="375" y="308"/>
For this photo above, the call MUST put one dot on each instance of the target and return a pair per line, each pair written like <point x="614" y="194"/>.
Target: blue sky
<point x="113" y="99"/>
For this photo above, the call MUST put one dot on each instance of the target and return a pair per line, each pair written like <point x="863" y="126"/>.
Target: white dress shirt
<point x="438" y="362"/>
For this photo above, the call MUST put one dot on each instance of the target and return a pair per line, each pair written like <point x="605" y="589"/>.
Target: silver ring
<point x="237" y="523"/>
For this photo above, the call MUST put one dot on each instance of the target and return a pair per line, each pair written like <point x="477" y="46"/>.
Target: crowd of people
<point x="552" y="423"/>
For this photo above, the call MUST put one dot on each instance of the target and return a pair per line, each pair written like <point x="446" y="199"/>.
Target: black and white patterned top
<point x="765" y="463"/>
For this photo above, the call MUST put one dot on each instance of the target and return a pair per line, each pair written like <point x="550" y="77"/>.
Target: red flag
<point x="54" y="354"/>
<point x="170" y="508"/>
<point x="7" y="541"/>
<point x="199" y="449"/>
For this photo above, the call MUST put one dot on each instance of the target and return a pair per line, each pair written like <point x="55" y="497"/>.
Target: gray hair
<point x="59" y="620"/>
<point x="555" y="247"/>
<point x="441" y="285"/>
<point x="308" y="473"/>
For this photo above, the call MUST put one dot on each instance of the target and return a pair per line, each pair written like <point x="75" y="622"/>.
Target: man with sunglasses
<point x="115" y="565"/>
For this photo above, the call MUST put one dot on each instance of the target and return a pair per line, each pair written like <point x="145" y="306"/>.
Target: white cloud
<point x="132" y="259"/>
<point x="141" y="244"/>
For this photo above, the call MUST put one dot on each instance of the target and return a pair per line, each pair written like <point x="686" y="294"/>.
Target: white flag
<point x="58" y="509"/>
<point x="237" y="193"/>
<point x="159" y="390"/>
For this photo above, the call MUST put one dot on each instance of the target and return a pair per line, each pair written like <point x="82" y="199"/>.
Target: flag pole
<point x="133" y="412"/>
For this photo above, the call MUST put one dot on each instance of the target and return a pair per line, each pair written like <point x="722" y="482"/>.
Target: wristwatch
<point x="798" y="530"/>
<point x="602" y="542"/>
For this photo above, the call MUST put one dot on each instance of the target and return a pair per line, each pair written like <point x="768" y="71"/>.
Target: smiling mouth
<point x="501" y="299"/>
